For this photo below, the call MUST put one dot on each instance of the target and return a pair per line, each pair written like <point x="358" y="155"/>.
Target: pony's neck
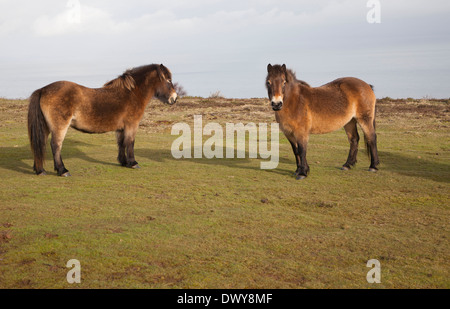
<point x="292" y="93"/>
<point x="296" y="89"/>
<point x="146" y="86"/>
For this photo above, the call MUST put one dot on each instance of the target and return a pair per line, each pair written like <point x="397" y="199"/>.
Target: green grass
<point x="198" y="223"/>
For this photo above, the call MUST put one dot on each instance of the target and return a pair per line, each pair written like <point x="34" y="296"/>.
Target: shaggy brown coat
<point x="302" y="110"/>
<point x="118" y="106"/>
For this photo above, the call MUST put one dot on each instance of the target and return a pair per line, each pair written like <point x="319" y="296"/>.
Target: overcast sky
<point x="215" y="45"/>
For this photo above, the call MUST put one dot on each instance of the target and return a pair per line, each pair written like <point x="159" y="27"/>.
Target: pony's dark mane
<point x="125" y="81"/>
<point x="292" y="78"/>
<point x="129" y="78"/>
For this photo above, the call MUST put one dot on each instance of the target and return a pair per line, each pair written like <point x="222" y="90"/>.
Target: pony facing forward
<point x="302" y="110"/>
<point x="118" y="106"/>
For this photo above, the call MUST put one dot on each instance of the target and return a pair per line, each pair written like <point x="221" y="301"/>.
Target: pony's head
<point x="165" y="91"/>
<point x="156" y="77"/>
<point x="276" y="81"/>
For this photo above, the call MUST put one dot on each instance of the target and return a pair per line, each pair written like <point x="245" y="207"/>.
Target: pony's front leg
<point x="303" y="168"/>
<point x="353" y="138"/>
<point x="130" y="156"/>
<point x="297" y="158"/>
<point x="128" y="142"/>
<point x="122" y="158"/>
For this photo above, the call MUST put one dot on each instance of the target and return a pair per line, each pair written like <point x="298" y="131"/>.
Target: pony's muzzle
<point x="173" y="99"/>
<point x="276" y="106"/>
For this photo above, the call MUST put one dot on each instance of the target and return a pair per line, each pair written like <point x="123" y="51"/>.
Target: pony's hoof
<point x="300" y="177"/>
<point x="345" y="168"/>
<point x="373" y="170"/>
<point x="66" y="174"/>
<point x="136" y="166"/>
<point x="42" y="173"/>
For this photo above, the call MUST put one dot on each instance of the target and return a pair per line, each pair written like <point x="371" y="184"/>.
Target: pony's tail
<point x="37" y="131"/>
<point x="374" y="118"/>
<point x="375" y="111"/>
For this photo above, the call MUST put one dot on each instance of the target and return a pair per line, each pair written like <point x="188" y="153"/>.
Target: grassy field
<point x="199" y="223"/>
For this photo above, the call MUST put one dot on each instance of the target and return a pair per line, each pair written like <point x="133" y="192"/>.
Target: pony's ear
<point x="269" y="68"/>
<point x="164" y="72"/>
<point x="160" y="70"/>
<point x="286" y="76"/>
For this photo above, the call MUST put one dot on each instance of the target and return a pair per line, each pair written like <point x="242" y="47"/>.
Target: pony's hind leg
<point x="129" y="142"/>
<point x="353" y="138"/>
<point x="56" y="143"/>
<point x="38" y="166"/>
<point x="370" y="137"/>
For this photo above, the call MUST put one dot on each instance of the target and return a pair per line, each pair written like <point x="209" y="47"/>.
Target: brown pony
<point x="118" y="106"/>
<point x="302" y="110"/>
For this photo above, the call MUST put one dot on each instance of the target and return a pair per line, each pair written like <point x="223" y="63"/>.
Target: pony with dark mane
<point x="301" y="110"/>
<point x="118" y="106"/>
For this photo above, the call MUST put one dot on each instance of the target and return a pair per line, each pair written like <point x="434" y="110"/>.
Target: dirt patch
<point x="24" y="283"/>
<point x="117" y="230"/>
<point x="5" y="236"/>
<point x="163" y="279"/>
<point x="27" y="261"/>
<point x="50" y="235"/>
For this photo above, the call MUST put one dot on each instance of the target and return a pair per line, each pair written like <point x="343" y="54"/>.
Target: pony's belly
<point x="329" y="125"/>
<point x="91" y="127"/>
